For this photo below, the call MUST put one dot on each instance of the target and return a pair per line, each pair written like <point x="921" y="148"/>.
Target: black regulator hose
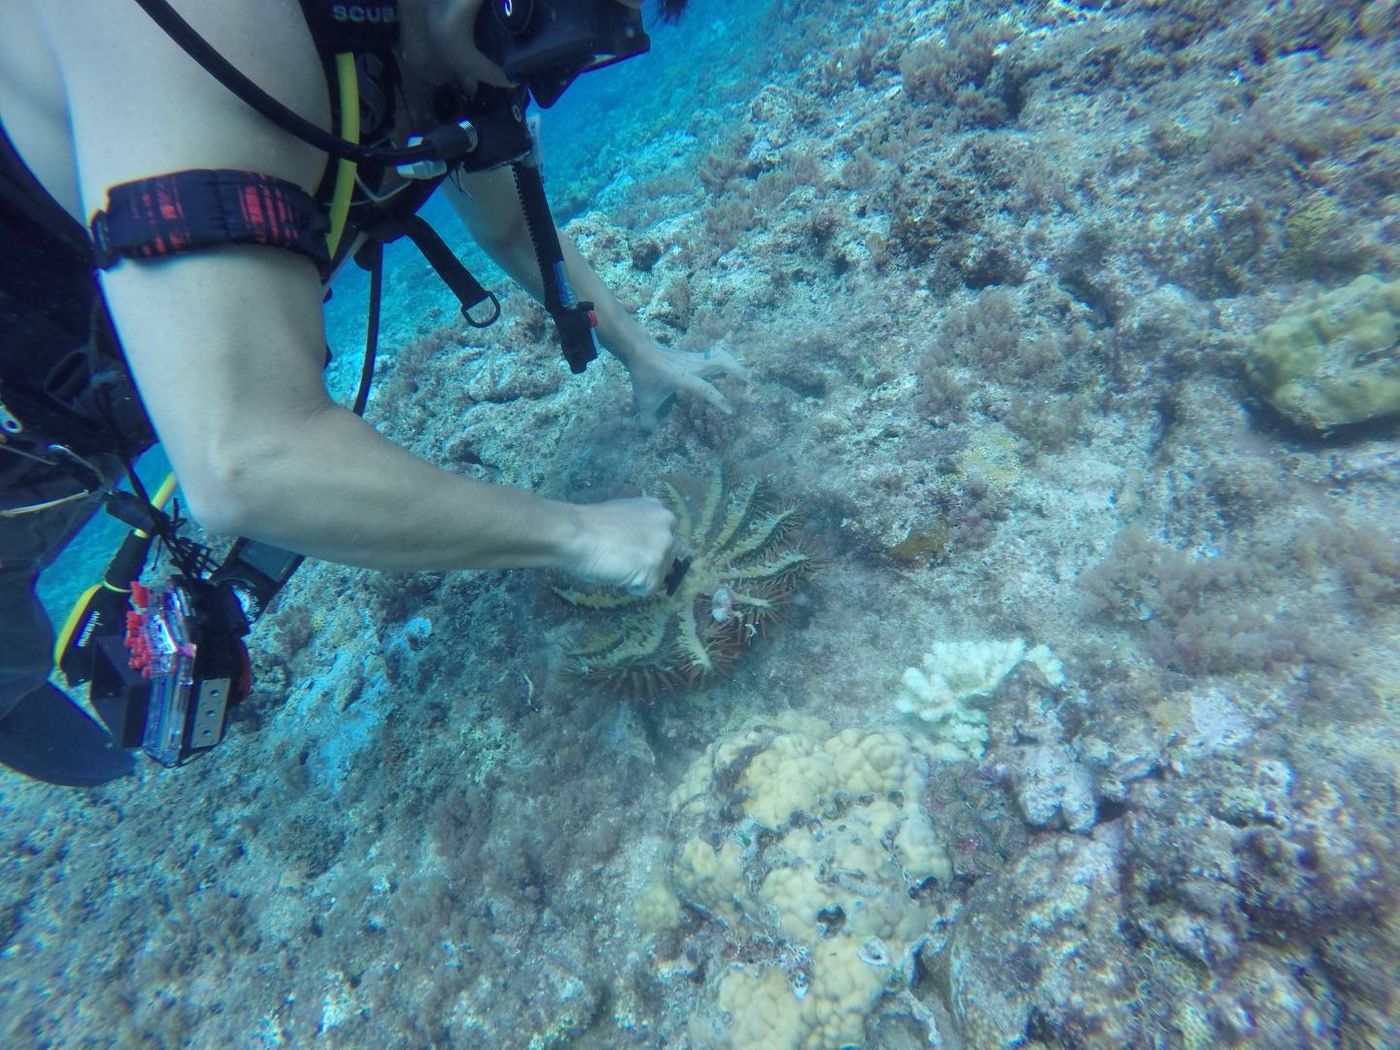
<point x="573" y="320"/>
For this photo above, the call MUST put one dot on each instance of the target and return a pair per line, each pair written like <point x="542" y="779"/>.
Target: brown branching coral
<point x="745" y="561"/>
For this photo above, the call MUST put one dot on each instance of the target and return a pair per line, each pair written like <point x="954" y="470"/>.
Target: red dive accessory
<point x="166" y="675"/>
<point x="185" y="665"/>
<point x="188" y="211"/>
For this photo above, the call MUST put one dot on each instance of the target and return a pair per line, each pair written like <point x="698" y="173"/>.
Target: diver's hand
<point x="659" y="374"/>
<point x="624" y="543"/>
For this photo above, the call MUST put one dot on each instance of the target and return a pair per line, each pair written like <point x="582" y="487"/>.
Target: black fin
<point x="48" y="737"/>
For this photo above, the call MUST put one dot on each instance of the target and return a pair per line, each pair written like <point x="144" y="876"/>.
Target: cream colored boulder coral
<point x="808" y="845"/>
<point x="1332" y="360"/>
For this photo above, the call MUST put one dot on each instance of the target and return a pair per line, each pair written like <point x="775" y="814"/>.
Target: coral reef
<point x="1143" y="933"/>
<point x="741" y="562"/>
<point x="1068" y="980"/>
<point x="999" y="274"/>
<point x="1333" y="361"/>
<point x="1041" y="760"/>
<point x="811" y="850"/>
<point x="955" y="678"/>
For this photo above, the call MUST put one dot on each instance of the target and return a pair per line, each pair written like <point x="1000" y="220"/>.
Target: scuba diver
<point x="178" y="182"/>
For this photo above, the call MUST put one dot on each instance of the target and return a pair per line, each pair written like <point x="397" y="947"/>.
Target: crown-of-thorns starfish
<point x="745" y="562"/>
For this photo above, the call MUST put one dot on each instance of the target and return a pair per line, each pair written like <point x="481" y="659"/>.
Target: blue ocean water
<point x="1031" y="678"/>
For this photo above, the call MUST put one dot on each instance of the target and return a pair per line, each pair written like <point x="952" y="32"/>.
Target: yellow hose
<point x="161" y="498"/>
<point x="80" y="607"/>
<point x="61" y="640"/>
<point x="350" y="131"/>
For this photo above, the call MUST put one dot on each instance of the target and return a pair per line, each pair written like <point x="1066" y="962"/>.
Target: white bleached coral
<point x="943" y="692"/>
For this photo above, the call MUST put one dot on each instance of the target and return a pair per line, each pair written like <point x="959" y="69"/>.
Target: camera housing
<point x="167" y="684"/>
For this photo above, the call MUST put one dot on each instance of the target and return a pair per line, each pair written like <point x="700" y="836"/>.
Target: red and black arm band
<point x="188" y="211"/>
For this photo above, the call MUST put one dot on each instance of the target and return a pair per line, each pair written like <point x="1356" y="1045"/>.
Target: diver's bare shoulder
<point x="138" y="105"/>
<point x="226" y="344"/>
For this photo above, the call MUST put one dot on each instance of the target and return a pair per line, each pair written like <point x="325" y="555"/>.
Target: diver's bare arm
<point x="226" y="345"/>
<point x="261" y="451"/>
<point x="488" y="205"/>
<point x="330" y="486"/>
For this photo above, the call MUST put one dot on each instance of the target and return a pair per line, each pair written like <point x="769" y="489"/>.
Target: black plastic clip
<point x="495" y="311"/>
<point x="673" y="579"/>
<point x="104" y="255"/>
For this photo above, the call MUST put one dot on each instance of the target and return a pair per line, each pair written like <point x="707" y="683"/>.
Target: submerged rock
<point x="1333" y="361"/>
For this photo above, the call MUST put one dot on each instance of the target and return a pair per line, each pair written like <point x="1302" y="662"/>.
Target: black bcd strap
<point x="449" y="268"/>
<point x="574" y="321"/>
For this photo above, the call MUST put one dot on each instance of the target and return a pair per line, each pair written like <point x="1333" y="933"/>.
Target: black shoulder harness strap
<point x="22" y="191"/>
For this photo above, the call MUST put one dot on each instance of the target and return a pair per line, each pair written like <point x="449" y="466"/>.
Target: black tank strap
<point x="400" y="218"/>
